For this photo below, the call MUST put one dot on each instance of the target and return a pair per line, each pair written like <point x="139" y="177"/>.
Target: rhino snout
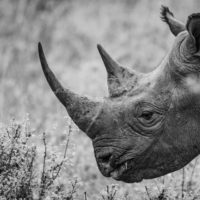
<point x="104" y="162"/>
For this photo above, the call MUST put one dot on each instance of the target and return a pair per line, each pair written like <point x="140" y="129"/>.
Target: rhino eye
<point x="147" y="115"/>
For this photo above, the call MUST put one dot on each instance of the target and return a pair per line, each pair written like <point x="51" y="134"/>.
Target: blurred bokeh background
<point x="131" y="31"/>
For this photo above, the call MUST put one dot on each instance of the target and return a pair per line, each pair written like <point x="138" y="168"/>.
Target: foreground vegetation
<point x="69" y="30"/>
<point x="27" y="173"/>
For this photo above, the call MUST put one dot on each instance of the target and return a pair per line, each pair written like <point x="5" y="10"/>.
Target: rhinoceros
<point x="149" y="125"/>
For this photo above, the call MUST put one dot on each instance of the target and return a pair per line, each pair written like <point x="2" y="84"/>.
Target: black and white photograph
<point x="99" y="99"/>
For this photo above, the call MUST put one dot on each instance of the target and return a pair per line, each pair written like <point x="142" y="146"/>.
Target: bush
<point x="25" y="173"/>
<point x="21" y="177"/>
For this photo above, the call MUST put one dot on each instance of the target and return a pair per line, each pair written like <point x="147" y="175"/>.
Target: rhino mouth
<point x="125" y="171"/>
<point x="120" y="166"/>
<point x="120" y="171"/>
<point x="117" y="172"/>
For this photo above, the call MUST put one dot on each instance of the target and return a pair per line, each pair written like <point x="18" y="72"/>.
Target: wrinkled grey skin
<point x="150" y="123"/>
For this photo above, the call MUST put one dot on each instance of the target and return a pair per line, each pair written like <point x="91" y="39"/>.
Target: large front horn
<point x="82" y="110"/>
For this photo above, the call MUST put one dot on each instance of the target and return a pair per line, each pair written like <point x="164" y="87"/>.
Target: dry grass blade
<point x="43" y="179"/>
<point x="147" y="192"/>
<point x="183" y="183"/>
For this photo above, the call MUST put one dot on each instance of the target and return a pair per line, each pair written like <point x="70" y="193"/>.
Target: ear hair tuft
<point x="175" y="25"/>
<point x="164" y="11"/>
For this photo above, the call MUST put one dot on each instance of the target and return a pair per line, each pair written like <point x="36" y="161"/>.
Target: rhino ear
<point x="193" y="27"/>
<point x="175" y="25"/>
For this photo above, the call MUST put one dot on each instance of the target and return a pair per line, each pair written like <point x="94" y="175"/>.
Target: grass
<point x="69" y="30"/>
<point x="25" y="173"/>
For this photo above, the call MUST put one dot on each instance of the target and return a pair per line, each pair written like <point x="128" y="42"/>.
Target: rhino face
<point x="149" y="125"/>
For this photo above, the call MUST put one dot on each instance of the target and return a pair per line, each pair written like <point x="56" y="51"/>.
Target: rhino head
<point x="150" y="123"/>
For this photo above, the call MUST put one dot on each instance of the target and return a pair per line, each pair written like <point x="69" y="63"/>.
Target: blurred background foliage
<point x="131" y="30"/>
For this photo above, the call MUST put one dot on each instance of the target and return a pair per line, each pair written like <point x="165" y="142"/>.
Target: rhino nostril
<point x="104" y="158"/>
